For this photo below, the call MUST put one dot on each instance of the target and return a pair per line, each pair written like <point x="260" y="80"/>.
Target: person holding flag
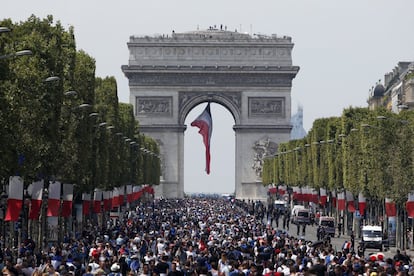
<point x="205" y="123"/>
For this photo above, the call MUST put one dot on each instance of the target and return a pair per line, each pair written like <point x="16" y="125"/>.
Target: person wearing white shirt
<point x="160" y="247"/>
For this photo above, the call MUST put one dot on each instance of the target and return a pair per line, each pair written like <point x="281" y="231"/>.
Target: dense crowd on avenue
<point x="190" y="237"/>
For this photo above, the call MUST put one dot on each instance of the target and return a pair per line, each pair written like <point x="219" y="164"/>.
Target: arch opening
<point x="221" y="179"/>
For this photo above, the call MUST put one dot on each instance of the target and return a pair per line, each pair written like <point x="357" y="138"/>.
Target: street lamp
<point x="52" y="79"/>
<point x="84" y="105"/>
<point x="4" y="30"/>
<point x="17" y="54"/>
<point x="402" y="107"/>
<point x="93" y="114"/>
<point x="71" y="93"/>
<point x="23" y="53"/>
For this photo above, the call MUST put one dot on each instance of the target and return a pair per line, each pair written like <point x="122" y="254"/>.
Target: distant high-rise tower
<point x="298" y="132"/>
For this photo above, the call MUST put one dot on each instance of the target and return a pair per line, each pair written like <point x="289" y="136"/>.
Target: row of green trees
<point x="70" y="128"/>
<point x="362" y="151"/>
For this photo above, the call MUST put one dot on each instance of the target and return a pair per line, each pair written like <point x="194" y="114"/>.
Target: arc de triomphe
<point x="251" y="76"/>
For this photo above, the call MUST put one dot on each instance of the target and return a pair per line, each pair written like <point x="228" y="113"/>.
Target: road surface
<point x="337" y="242"/>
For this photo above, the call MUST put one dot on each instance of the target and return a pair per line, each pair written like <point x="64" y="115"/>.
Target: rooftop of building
<point x="212" y="33"/>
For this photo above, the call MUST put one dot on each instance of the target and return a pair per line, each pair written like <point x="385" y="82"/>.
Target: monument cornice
<point x="263" y="128"/>
<point x="128" y="69"/>
<point x="162" y="128"/>
<point x="211" y="79"/>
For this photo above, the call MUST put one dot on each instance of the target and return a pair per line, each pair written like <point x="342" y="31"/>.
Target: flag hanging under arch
<point x="205" y="123"/>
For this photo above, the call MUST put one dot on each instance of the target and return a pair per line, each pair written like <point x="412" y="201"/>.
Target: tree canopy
<point x="60" y="121"/>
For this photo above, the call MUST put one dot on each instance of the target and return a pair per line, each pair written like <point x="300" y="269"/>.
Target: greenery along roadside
<point x="362" y="151"/>
<point x="71" y="128"/>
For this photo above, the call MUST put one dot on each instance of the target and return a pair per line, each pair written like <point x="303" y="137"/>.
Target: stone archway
<point x="250" y="76"/>
<point x="188" y="100"/>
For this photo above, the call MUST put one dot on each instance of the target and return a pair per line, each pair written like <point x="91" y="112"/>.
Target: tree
<point x="48" y="130"/>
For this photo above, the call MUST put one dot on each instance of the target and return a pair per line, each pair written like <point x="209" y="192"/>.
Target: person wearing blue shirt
<point x="135" y="263"/>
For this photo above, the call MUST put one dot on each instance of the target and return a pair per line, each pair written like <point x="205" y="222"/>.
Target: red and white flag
<point x="67" y="200"/>
<point x="334" y="199"/>
<point x="97" y="198"/>
<point x="36" y="190"/>
<point x="314" y="196"/>
<point x="410" y="205"/>
<point x="361" y="203"/>
<point x="282" y="189"/>
<point x="297" y="193"/>
<point x="350" y="202"/>
<point x="135" y="190"/>
<point x="15" y="200"/>
<point x="53" y="203"/>
<point x="390" y="208"/>
<point x="107" y="201"/>
<point x="86" y="203"/>
<point x="205" y="123"/>
<point x="115" y="197"/>
<point x="307" y="194"/>
<point x="323" y="198"/>
<point x="341" y="201"/>
<point x="121" y="195"/>
<point x="150" y="190"/>
<point x="129" y="193"/>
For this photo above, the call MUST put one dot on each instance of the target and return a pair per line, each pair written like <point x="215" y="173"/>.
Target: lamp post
<point x="24" y="227"/>
<point x="3" y="202"/>
<point x="42" y="240"/>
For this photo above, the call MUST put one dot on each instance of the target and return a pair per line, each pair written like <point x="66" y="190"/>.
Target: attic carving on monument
<point x="236" y="52"/>
<point x="211" y="79"/>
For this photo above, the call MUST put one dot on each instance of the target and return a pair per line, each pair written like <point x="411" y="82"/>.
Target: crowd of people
<point x="190" y="237"/>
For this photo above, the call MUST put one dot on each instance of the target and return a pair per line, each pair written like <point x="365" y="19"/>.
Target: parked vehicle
<point x="372" y="236"/>
<point x="328" y="223"/>
<point x="280" y="205"/>
<point x="295" y="208"/>
<point x="301" y="216"/>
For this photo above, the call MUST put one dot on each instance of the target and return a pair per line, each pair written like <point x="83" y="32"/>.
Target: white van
<point x="372" y="236"/>
<point x="328" y="223"/>
<point x="280" y="205"/>
<point x="301" y="216"/>
<point x="295" y="208"/>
